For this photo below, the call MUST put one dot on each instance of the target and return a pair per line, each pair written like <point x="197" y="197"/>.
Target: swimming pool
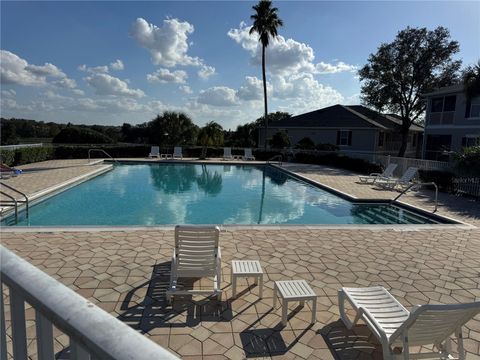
<point x="176" y="193"/>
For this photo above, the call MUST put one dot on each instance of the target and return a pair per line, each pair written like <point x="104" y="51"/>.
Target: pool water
<point x="159" y="194"/>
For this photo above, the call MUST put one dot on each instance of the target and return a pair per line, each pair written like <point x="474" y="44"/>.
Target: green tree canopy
<point x="280" y="140"/>
<point x="172" y="129"/>
<point x="78" y="135"/>
<point x="471" y="79"/>
<point x="397" y="75"/>
<point x="210" y="135"/>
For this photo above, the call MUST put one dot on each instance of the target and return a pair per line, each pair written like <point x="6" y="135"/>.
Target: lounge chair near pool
<point x="7" y="171"/>
<point x="394" y="326"/>
<point x="154" y="152"/>
<point x="196" y="254"/>
<point x="227" y="153"/>
<point x="387" y="174"/>
<point x="248" y="154"/>
<point x="177" y="152"/>
<point x="404" y="181"/>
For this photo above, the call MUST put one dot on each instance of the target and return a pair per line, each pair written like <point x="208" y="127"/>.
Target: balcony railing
<point x="93" y="333"/>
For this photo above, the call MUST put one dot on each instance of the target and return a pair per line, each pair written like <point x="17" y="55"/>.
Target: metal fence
<point x="468" y="186"/>
<point x="421" y="164"/>
<point x="93" y="333"/>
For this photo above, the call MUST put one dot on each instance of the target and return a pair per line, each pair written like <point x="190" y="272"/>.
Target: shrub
<point x="7" y="157"/>
<point x="339" y="161"/>
<point x="443" y="179"/>
<point x="326" y="147"/>
<point x="76" y="135"/>
<point x="306" y="143"/>
<point x="468" y="161"/>
<point x="280" y="140"/>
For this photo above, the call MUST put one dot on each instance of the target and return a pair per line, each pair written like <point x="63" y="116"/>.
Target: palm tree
<point x="210" y="135"/>
<point x="265" y="23"/>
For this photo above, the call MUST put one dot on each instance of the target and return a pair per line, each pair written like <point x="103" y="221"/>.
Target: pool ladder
<point x="417" y="186"/>
<point x="13" y="201"/>
<point x="102" y="151"/>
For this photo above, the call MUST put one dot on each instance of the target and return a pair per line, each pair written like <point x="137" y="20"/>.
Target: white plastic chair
<point x="177" y="152"/>
<point x="154" y="152"/>
<point x="248" y="154"/>
<point x="404" y="181"/>
<point x="394" y="326"/>
<point x="227" y="153"/>
<point x="387" y="174"/>
<point x="196" y="254"/>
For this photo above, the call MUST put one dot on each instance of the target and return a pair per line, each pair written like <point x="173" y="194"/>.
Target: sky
<point x="112" y="62"/>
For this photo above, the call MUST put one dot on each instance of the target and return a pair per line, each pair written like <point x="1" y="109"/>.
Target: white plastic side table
<point x="247" y="268"/>
<point x="294" y="290"/>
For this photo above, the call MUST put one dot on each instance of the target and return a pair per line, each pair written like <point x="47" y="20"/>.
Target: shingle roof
<point x="340" y="116"/>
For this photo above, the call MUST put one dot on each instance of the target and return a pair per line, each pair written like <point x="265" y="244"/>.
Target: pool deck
<point x="125" y="271"/>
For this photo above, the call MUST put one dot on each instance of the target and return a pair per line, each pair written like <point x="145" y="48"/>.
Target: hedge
<point x="26" y="155"/>
<point x="443" y="179"/>
<point x="339" y="161"/>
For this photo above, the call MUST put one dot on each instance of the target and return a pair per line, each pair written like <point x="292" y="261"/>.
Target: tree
<point x="8" y="134"/>
<point x="210" y="135"/>
<point x="77" y="135"/>
<point x="272" y="117"/>
<point x="265" y="23"/>
<point x="280" y="140"/>
<point x="471" y="80"/>
<point x="172" y="129"/>
<point x="416" y="62"/>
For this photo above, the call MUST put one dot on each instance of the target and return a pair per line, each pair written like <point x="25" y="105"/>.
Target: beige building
<point x="353" y="128"/>
<point x="452" y="121"/>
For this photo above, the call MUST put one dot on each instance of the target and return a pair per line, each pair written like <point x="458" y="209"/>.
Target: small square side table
<point x="294" y="290"/>
<point x="247" y="268"/>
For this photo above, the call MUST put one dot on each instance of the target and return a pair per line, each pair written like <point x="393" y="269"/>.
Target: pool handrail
<point x="103" y="151"/>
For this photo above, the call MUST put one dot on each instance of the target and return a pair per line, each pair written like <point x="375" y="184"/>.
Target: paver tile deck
<point x="125" y="272"/>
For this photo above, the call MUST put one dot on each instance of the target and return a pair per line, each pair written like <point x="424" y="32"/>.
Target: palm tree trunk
<point x="265" y="96"/>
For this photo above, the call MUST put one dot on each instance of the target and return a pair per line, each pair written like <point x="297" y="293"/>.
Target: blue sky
<point x="117" y="61"/>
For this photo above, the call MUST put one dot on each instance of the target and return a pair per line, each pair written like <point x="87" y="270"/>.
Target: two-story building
<point x="452" y="121"/>
<point x="353" y="128"/>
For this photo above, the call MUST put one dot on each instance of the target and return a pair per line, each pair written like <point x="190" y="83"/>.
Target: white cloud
<point x="66" y="83"/>
<point x="15" y="70"/>
<point x="117" y="65"/>
<point x="94" y="70"/>
<point x="324" y="68"/>
<point x="168" y="44"/>
<point x="284" y="56"/>
<point x="105" y="84"/>
<point x="185" y="89"/>
<point x="167" y="76"/>
<point x="218" y="96"/>
<point x="252" y="89"/>
<point x="206" y="71"/>
<point x="9" y="93"/>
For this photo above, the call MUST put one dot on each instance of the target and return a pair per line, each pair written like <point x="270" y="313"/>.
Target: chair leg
<point x="234" y="286"/>
<point x="461" y="350"/>
<point x="406" y="347"/>
<point x="274" y="296"/>
<point x="284" y="312"/>
<point x="314" y="310"/>
<point x="341" y="307"/>
<point x="260" y="288"/>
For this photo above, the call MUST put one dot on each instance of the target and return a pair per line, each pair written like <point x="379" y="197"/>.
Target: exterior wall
<point x="393" y="141"/>
<point x="457" y="126"/>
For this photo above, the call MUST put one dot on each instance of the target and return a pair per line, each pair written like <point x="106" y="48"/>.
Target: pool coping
<point x="56" y="189"/>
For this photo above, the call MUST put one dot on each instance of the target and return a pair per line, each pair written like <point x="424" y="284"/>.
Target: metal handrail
<point x="26" y="201"/>
<point x="15" y="202"/>
<point x="279" y="156"/>
<point x="103" y="151"/>
<point x="420" y="185"/>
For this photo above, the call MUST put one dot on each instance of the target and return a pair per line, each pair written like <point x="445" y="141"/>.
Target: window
<point x="381" y="138"/>
<point x="475" y="110"/>
<point x="443" y="104"/>
<point x="344" y="137"/>
<point x="470" y="140"/>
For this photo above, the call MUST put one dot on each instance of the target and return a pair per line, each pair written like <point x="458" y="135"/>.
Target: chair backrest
<point x="177" y="150"/>
<point x="227" y="152"/>
<point x="389" y="170"/>
<point x="196" y="250"/>
<point x="248" y="152"/>
<point x="155" y="150"/>
<point x="408" y="175"/>
<point x="432" y="324"/>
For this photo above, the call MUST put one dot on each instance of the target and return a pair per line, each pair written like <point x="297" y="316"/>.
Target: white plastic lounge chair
<point x="196" y="254"/>
<point x="387" y="174"/>
<point x="177" y="152"/>
<point x="404" y="181"/>
<point x="395" y="326"/>
<point x="154" y="152"/>
<point x="227" y="153"/>
<point x="248" y="154"/>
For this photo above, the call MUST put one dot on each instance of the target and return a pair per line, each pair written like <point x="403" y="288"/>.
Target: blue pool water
<point x="159" y="194"/>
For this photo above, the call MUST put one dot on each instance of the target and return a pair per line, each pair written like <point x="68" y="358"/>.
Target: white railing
<point x="94" y="334"/>
<point x="19" y="146"/>
<point x="405" y="163"/>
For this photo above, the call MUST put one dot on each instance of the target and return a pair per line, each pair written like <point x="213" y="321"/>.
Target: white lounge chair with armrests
<point x="227" y="153"/>
<point x="177" y="152"/>
<point x="395" y="326"/>
<point x="386" y="174"/>
<point x="248" y="154"/>
<point x="196" y="254"/>
<point x="154" y="152"/>
<point x="404" y="181"/>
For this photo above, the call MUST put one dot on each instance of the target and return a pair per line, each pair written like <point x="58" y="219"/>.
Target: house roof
<point x="446" y="90"/>
<point x="340" y="116"/>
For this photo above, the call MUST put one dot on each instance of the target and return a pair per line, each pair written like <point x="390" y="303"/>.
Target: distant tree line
<point x="166" y="129"/>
